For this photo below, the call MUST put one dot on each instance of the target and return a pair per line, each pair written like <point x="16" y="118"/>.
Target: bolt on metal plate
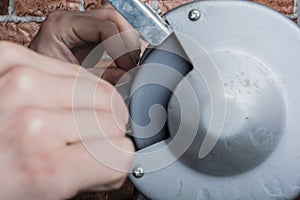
<point x="194" y="15"/>
<point x="138" y="172"/>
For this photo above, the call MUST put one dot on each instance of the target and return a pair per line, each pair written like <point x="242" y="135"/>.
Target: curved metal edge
<point x="203" y="193"/>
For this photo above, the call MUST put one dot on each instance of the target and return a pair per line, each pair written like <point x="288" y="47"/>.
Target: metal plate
<point x="243" y="39"/>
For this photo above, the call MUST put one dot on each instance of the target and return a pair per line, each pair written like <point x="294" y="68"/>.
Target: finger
<point x="89" y="29"/>
<point x="82" y="51"/>
<point x="27" y="58"/>
<point x="110" y="74"/>
<point x="90" y="125"/>
<point x="107" y="12"/>
<point x="130" y="36"/>
<point x="98" y="163"/>
<point x="26" y="87"/>
<point x="81" y="32"/>
<point x="48" y="41"/>
<point x="66" y="127"/>
<point x="80" y="29"/>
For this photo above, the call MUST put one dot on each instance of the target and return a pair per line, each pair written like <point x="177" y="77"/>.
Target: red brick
<point x="43" y="7"/>
<point x="166" y="6"/>
<point x="283" y="6"/>
<point x="21" y="33"/>
<point x="4" y="7"/>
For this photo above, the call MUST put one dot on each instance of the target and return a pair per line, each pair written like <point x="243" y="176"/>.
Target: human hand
<point x="70" y="36"/>
<point x="49" y="118"/>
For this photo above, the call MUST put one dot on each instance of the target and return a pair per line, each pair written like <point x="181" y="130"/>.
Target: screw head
<point x="194" y="15"/>
<point x="138" y="172"/>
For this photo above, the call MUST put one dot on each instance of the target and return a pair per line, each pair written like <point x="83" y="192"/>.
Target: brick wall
<point x="20" y="20"/>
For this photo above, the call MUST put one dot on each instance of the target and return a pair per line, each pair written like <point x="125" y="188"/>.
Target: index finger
<point x="129" y="35"/>
<point x="97" y="162"/>
<point x="30" y="59"/>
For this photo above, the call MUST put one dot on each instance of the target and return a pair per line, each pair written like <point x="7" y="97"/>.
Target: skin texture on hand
<point x="43" y="150"/>
<point x="70" y="36"/>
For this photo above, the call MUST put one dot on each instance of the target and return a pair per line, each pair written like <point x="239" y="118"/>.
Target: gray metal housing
<point x="260" y="71"/>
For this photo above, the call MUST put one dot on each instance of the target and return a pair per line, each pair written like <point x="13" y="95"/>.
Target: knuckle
<point x="44" y="168"/>
<point x="112" y="15"/>
<point x="55" y="16"/>
<point x="112" y="28"/>
<point x="20" y="79"/>
<point x="53" y="20"/>
<point x="59" y="18"/>
<point x="30" y="121"/>
<point x="54" y="171"/>
<point x="110" y="23"/>
<point x="16" y="84"/>
<point x="39" y="169"/>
